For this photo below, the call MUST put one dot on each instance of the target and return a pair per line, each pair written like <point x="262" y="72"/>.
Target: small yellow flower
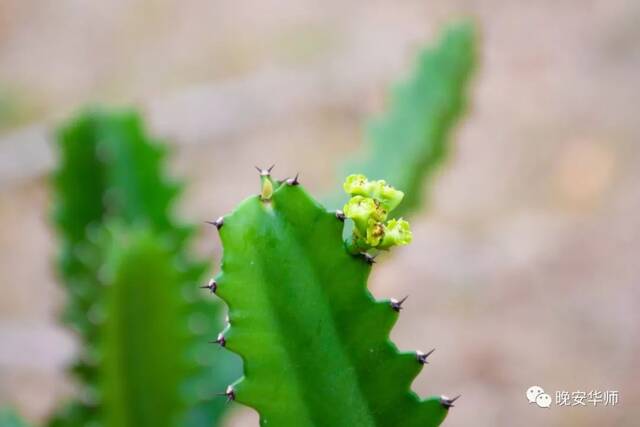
<point x="368" y="207"/>
<point x="396" y="233"/>
<point x="356" y="185"/>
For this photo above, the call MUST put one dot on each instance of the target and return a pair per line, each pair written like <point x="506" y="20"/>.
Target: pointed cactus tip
<point x="340" y="215"/>
<point x="266" y="185"/>
<point x="397" y="305"/>
<point x="422" y="357"/>
<point x="265" y="172"/>
<point x="447" y="402"/>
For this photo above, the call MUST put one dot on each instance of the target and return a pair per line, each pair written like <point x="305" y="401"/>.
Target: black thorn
<point x="370" y="259"/>
<point x="447" y="402"/>
<point x="218" y="222"/>
<point x="265" y="172"/>
<point x="294" y="180"/>
<point x="340" y="215"/>
<point x="220" y="340"/>
<point x="397" y="305"/>
<point x="212" y="286"/>
<point x="229" y="392"/>
<point x="422" y="357"/>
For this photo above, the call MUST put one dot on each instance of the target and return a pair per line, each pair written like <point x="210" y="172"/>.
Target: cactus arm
<point x="111" y="170"/>
<point x="137" y="193"/>
<point x="314" y="341"/>
<point x="410" y="139"/>
<point x="142" y="379"/>
<point x="143" y="366"/>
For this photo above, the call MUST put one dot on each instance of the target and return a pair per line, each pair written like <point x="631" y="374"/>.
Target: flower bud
<point x="361" y="209"/>
<point x="375" y="232"/>
<point x="396" y="233"/>
<point x="357" y="185"/>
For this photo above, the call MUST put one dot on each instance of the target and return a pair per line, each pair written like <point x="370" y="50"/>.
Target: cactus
<point x="129" y="275"/>
<point x="407" y="142"/>
<point x="142" y="375"/>
<point x="314" y="341"/>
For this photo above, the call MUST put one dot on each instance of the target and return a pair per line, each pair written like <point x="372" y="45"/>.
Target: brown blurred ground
<point x="523" y="271"/>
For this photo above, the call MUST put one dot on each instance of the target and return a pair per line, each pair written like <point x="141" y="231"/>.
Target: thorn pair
<point x="230" y="393"/>
<point x="422" y="357"/>
<point x="447" y="402"/>
<point x="218" y="223"/>
<point x="397" y="305"/>
<point x="265" y="172"/>
<point x="220" y="340"/>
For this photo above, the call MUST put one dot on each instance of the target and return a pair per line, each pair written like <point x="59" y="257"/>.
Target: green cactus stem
<point x="409" y="140"/>
<point x="315" y="343"/>
<point x="143" y="368"/>
<point x="123" y="290"/>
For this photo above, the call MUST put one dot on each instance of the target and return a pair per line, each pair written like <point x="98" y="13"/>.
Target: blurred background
<point x="524" y="268"/>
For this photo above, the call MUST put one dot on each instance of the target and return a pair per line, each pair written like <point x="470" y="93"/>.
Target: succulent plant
<point x="314" y="341"/>
<point x="129" y="275"/>
<point x="311" y="335"/>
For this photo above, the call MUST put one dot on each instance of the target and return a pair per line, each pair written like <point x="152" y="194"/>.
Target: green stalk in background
<point x="410" y="139"/>
<point x="130" y="282"/>
<point x="142" y="374"/>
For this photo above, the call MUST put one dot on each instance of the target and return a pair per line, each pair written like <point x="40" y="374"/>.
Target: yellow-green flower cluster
<point x="370" y="204"/>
